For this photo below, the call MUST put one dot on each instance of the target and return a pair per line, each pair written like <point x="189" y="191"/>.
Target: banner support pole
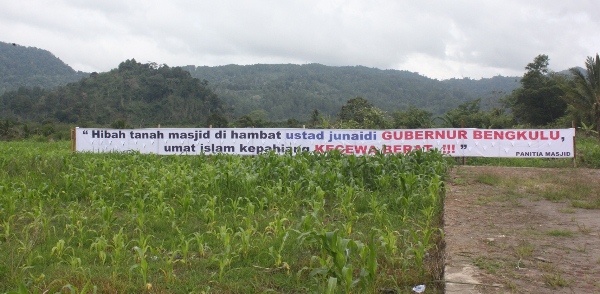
<point x="574" y="144"/>
<point x="462" y="125"/>
<point x="73" y="140"/>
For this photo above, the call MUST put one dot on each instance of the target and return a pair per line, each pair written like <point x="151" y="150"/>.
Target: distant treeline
<point x="293" y="91"/>
<point x="32" y="67"/>
<point x="137" y="95"/>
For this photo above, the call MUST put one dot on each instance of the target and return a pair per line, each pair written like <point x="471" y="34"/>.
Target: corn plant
<point x="169" y="271"/>
<point x="346" y="199"/>
<point x="100" y="246"/>
<point x="201" y="245"/>
<point x="119" y="245"/>
<point x="107" y="213"/>
<point x="59" y="249"/>
<point x="186" y="202"/>
<point x="368" y="257"/>
<point x="232" y="212"/>
<point x="9" y="203"/>
<point x="184" y="245"/>
<point x="276" y="254"/>
<point x="278" y="226"/>
<point x="378" y="208"/>
<point x="335" y="256"/>
<point x="40" y="218"/>
<point x="140" y="253"/>
<point x="309" y="221"/>
<point x="6" y="228"/>
<point x="389" y="240"/>
<point x="75" y="264"/>
<point x="225" y="258"/>
<point x="80" y="229"/>
<point x="210" y="210"/>
<point x="87" y="288"/>
<point x="250" y="208"/>
<point x="331" y="286"/>
<point x="245" y="238"/>
<point x="420" y="243"/>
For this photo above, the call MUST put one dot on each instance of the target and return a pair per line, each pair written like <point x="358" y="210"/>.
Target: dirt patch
<point x="519" y="230"/>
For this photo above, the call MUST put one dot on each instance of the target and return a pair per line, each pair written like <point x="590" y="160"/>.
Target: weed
<point x="555" y="280"/>
<point x="594" y="204"/>
<point x="566" y="210"/>
<point x="560" y="233"/>
<point x="583" y="229"/>
<point x="491" y="266"/>
<point x="488" y="179"/>
<point x="524" y="250"/>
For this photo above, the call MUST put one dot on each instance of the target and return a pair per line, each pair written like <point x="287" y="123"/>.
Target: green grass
<point x="556" y="280"/>
<point x="491" y="266"/>
<point x="594" y="204"/>
<point x="524" y="250"/>
<point x="126" y="223"/>
<point x="488" y="179"/>
<point x="588" y="155"/>
<point x="560" y="233"/>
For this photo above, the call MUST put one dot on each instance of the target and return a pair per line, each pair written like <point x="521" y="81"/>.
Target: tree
<point x="217" y="120"/>
<point x="315" y="118"/>
<point x="358" y="113"/>
<point x="245" y="121"/>
<point x="584" y="94"/>
<point x="292" y="123"/>
<point x="539" y="99"/>
<point x="470" y="115"/>
<point x="120" y="124"/>
<point x="412" y="118"/>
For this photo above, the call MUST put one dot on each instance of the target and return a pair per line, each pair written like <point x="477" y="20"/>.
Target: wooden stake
<point x="73" y="140"/>
<point x="462" y="125"/>
<point x="574" y="145"/>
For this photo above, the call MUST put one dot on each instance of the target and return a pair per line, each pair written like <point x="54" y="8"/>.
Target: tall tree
<point x="584" y="95"/>
<point x="358" y="113"/>
<point x="539" y="99"/>
<point x="412" y="118"/>
<point x="315" y="118"/>
<point x="470" y="115"/>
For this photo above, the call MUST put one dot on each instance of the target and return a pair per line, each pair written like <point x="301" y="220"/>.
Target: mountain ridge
<point x="307" y="87"/>
<point x="30" y="67"/>
<point x="282" y="91"/>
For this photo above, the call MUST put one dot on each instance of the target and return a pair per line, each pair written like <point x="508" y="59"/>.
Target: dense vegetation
<point x="312" y="95"/>
<point x="323" y="223"/>
<point x="292" y="91"/>
<point x="150" y="94"/>
<point x="124" y="223"/>
<point x="139" y="94"/>
<point x="32" y="67"/>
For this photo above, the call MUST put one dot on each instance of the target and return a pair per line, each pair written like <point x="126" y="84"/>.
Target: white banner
<point x="549" y="143"/>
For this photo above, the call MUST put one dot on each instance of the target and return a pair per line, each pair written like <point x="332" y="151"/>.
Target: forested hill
<point x="292" y="91"/>
<point x="138" y="94"/>
<point x="278" y="92"/>
<point x="30" y="67"/>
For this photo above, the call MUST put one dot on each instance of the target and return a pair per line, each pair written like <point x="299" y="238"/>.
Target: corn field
<point x="304" y="223"/>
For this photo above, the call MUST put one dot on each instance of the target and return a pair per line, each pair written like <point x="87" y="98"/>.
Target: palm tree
<point x="585" y="94"/>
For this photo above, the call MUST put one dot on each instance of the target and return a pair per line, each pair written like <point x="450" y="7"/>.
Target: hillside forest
<point x="42" y="98"/>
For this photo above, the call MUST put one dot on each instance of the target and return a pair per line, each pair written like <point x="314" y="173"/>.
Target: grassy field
<point x="124" y="223"/>
<point x="587" y="152"/>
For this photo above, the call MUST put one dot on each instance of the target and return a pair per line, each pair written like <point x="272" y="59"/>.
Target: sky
<point x="438" y="39"/>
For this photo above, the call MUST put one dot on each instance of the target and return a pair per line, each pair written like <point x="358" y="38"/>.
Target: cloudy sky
<point x="439" y="39"/>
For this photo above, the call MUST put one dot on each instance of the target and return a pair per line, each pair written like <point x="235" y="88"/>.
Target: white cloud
<point x="439" y="39"/>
